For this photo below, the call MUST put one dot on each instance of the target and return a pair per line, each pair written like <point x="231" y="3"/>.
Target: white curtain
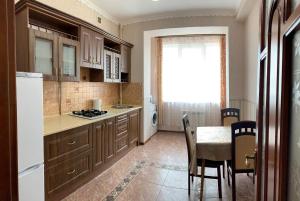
<point x="190" y="81"/>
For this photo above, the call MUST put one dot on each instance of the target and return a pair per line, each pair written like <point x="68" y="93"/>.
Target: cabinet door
<point x="43" y="56"/>
<point x="68" y="59"/>
<point x="126" y="57"/>
<point x="86" y="48"/>
<point x="98" y="51"/>
<point x="98" y="144"/>
<point x="134" y="128"/>
<point x="109" y="139"/>
<point x="108" y="66"/>
<point x="117" y="68"/>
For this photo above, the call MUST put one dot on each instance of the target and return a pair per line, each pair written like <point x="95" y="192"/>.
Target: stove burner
<point x="89" y="113"/>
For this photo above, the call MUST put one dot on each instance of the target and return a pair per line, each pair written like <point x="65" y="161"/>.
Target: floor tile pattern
<point x="157" y="171"/>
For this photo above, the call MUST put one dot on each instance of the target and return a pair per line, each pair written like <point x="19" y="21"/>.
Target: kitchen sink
<point x="122" y="106"/>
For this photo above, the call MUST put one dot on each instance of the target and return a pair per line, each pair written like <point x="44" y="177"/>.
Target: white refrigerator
<point x="30" y="136"/>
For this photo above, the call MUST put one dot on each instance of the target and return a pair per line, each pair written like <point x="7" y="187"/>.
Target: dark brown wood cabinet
<point x="98" y="144"/>
<point x="134" y="128"/>
<point x="109" y="138"/>
<point x="92" y="46"/>
<point x="68" y="160"/>
<point x="75" y="156"/>
<point x="122" y="140"/>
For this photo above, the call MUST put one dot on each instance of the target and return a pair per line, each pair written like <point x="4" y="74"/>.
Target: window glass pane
<point x="43" y="56"/>
<point x="294" y="134"/>
<point x="69" y="60"/>
<point x="189" y="68"/>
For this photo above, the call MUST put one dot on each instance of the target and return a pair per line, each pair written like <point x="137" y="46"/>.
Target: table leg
<point x="202" y="179"/>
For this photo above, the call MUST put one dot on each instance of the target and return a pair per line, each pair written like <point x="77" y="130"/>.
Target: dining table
<point x="212" y="143"/>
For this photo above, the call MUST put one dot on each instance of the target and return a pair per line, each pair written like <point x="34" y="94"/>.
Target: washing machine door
<point x="154" y="119"/>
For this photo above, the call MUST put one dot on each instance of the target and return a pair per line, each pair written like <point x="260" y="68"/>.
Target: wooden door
<point x="69" y="52"/>
<point x="109" y="139"/>
<point x="279" y="102"/>
<point x="98" y="51"/>
<point x="8" y="136"/>
<point x="86" y="47"/>
<point x="134" y="128"/>
<point x="43" y="53"/>
<point x="98" y="144"/>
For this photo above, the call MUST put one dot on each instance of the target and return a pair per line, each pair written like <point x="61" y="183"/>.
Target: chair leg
<point x="233" y="186"/>
<point x="224" y="170"/>
<point x="228" y="179"/>
<point x="253" y="178"/>
<point x="192" y="179"/>
<point x="202" y="179"/>
<point x="219" y="181"/>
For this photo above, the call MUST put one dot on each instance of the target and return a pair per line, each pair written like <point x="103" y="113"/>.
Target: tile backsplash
<point x="79" y="95"/>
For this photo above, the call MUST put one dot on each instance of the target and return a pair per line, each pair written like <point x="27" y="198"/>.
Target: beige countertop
<point x="65" y="122"/>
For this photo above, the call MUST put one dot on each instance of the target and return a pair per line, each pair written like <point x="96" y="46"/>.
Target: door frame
<point x="8" y="125"/>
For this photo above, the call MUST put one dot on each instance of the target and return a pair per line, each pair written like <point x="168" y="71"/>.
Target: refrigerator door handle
<point x="30" y="169"/>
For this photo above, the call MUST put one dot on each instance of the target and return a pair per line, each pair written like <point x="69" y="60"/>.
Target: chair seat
<point x="209" y="163"/>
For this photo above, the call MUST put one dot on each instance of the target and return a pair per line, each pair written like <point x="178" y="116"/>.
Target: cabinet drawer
<point x="121" y="127"/>
<point x="67" y="143"/>
<point x="63" y="175"/>
<point x="122" y="144"/>
<point x="122" y="118"/>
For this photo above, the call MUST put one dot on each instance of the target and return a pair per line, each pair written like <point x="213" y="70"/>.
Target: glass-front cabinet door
<point x="43" y="48"/>
<point x="68" y="59"/>
<point x="117" y="67"/>
<point x="108" y="66"/>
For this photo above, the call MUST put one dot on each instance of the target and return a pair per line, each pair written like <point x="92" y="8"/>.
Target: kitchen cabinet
<point x="98" y="144"/>
<point x="112" y="66"/>
<point x="74" y="157"/>
<point x="109" y="138"/>
<point x="54" y="56"/>
<point x="121" y="134"/>
<point x="134" y="128"/>
<point x="126" y="58"/>
<point x="43" y="55"/>
<point x="68" y="59"/>
<point x="92" y="44"/>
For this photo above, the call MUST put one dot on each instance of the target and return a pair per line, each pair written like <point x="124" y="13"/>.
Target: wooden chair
<point x="229" y="116"/>
<point x="194" y="163"/>
<point x="243" y="145"/>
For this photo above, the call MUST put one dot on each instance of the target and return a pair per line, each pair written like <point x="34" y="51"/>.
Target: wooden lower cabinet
<point x="134" y="128"/>
<point x="74" y="157"/>
<point x="109" y="139"/>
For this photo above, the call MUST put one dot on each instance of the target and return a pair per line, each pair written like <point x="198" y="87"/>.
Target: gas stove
<point x="89" y="114"/>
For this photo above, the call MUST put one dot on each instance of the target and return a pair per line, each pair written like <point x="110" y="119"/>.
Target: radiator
<point x="196" y="118"/>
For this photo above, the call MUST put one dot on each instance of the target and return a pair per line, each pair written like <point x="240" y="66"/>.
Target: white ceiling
<point x="128" y="11"/>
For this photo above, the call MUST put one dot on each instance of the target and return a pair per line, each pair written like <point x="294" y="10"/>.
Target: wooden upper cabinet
<point x="126" y="58"/>
<point x="92" y="44"/>
<point x="86" y="48"/>
<point x="43" y="55"/>
<point x="69" y="59"/>
<point x="98" y="46"/>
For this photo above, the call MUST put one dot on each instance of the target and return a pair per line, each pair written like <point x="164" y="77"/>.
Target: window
<point x="191" y="69"/>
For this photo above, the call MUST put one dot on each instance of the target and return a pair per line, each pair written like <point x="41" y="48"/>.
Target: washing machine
<point x="154" y="119"/>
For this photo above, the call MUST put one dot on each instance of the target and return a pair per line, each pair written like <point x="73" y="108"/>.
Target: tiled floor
<point x="157" y="172"/>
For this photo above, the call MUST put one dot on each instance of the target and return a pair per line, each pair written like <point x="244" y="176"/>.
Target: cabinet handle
<point x="71" y="143"/>
<point x="71" y="172"/>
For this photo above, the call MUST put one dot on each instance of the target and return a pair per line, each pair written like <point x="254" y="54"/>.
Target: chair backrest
<point x="229" y="116"/>
<point x="191" y="145"/>
<point x="243" y="143"/>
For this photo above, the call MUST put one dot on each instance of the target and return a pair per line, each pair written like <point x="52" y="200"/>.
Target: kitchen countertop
<point x="65" y="122"/>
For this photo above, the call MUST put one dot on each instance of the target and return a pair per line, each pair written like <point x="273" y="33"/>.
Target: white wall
<point x="248" y="104"/>
<point x="134" y="33"/>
